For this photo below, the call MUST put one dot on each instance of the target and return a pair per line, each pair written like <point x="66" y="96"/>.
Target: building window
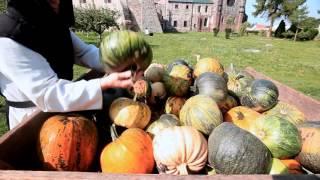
<point x="175" y="23"/>
<point x="205" y="23"/>
<point x="184" y="23"/>
<point x="82" y="1"/>
<point x="187" y="6"/>
<point x="230" y="2"/>
<point x="107" y="1"/>
<point x="199" y="8"/>
<point x="206" y="9"/>
<point x="194" y="25"/>
<point x="176" y="6"/>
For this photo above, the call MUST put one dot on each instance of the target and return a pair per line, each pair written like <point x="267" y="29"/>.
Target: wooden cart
<point x="17" y="147"/>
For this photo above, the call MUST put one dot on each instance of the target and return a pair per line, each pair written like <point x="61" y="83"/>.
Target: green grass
<point x="295" y="64"/>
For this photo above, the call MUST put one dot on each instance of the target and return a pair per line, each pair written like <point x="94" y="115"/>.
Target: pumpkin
<point x="309" y="157"/>
<point x="278" y="167"/>
<point x="178" y="80"/>
<point x="142" y="89"/>
<point x="278" y="134"/>
<point x="227" y="104"/>
<point x="294" y="167"/>
<point x="201" y="112"/>
<point x="120" y="49"/>
<point x="208" y="65"/>
<point x="177" y="62"/>
<point x="232" y="150"/>
<point x="174" y="105"/>
<point x="154" y="72"/>
<point x="238" y="81"/>
<point x="158" y="92"/>
<point x="242" y="116"/>
<point x="180" y="150"/>
<point x="212" y="84"/>
<point x="262" y="95"/>
<point x="130" y="153"/>
<point x="288" y="112"/>
<point x="130" y="114"/>
<point x="67" y="142"/>
<point x="165" y="120"/>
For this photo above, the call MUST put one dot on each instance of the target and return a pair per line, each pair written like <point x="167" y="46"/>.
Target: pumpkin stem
<point x="183" y="169"/>
<point x="135" y="97"/>
<point x="113" y="131"/>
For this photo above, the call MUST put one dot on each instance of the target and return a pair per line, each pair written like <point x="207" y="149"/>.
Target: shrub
<point x="215" y="32"/>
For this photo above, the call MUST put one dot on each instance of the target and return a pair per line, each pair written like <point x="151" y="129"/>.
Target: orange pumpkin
<point x="67" y="142"/>
<point x="294" y="167"/>
<point x="130" y="153"/>
<point x="130" y="114"/>
<point x="241" y="116"/>
<point x="309" y="156"/>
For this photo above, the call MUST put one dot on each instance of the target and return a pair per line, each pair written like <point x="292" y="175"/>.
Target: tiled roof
<point x="193" y="1"/>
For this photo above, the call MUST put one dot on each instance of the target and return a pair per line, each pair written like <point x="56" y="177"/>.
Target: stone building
<point x="175" y="15"/>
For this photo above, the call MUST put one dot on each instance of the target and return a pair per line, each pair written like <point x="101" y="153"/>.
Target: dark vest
<point x="55" y="44"/>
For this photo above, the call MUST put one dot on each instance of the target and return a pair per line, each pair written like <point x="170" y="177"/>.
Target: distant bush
<point x="215" y="32"/>
<point x="243" y="28"/>
<point x="307" y="34"/>
<point x="281" y="29"/>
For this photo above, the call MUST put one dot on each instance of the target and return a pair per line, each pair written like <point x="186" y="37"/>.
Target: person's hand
<point x="117" y="80"/>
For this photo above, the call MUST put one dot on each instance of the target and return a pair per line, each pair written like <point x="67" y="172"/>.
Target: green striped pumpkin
<point x="262" y="95"/>
<point x="279" y="135"/>
<point x="201" y="112"/>
<point x="121" y="49"/>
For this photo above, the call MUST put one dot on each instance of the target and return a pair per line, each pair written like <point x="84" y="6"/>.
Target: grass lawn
<point x="295" y="64"/>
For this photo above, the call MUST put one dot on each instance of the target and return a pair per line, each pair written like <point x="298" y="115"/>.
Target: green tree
<point x="91" y="19"/>
<point x="297" y="17"/>
<point x="275" y="9"/>
<point x="281" y="29"/>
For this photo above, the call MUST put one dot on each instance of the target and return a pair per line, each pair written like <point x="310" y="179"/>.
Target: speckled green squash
<point x="277" y="167"/>
<point x="278" y="134"/>
<point x="178" y="80"/>
<point x="201" y="112"/>
<point x="232" y="150"/>
<point x="213" y="85"/>
<point x="165" y="120"/>
<point x="288" y="112"/>
<point x="238" y="80"/>
<point x="262" y="95"/>
<point x="120" y="49"/>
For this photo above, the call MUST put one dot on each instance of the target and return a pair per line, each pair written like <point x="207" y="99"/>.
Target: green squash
<point x="212" y="84"/>
<point x="238" y="80"/>
<point x="178" y="80"/>
<point x="288" y="112"/>
<point x="121" y="49"/>
<point x="201" y="112"/>
<point x="177" y="62"/>
<point x="277" y="167"/>
<point x="232" y="150"/>
<point x="278" y="134"/>
<point x="165" y="120"/>
<point x="262" y="95"/>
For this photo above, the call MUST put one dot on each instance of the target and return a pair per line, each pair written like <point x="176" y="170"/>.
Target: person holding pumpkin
<point x="38" y="52"/>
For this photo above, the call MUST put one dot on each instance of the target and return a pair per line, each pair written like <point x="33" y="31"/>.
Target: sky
<point x="313" y="7"/>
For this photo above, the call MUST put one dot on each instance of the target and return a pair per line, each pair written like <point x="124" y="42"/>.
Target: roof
<point x="193" y="1"/>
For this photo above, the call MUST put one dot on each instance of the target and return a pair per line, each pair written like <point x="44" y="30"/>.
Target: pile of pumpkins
<point x="190" y="120"/>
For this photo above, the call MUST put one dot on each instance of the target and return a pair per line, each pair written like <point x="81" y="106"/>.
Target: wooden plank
<point x="39" y="175"/>
<point x="310" y="107"/>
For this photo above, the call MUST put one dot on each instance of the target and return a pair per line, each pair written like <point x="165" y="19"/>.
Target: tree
<point x="276" y="9"/>
<point x="281" y="29"/>
<point x="297" y="17"/>
<point x="96" y="20"/>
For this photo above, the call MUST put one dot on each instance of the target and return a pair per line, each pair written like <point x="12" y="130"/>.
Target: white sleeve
<point x="32" y="75"/>
<point x="86" y="55"/>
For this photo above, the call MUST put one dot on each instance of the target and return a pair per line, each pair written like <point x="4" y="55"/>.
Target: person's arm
<point x="32" y="75"/>
<point x="86" y="55"/>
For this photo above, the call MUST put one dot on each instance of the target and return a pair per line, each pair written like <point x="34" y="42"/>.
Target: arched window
<point x="230" y="2"/>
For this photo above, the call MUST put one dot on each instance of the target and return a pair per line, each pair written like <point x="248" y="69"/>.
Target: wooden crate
<point x="17" y="147"/>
